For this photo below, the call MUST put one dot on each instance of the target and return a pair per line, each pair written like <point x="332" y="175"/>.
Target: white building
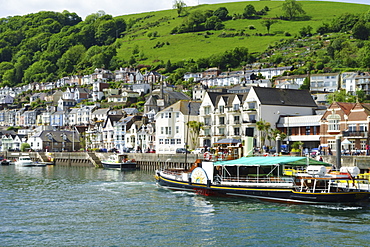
<point x="172" y="131"/>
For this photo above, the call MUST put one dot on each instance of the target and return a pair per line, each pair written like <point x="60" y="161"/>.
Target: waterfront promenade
<point x="152" y="161"/>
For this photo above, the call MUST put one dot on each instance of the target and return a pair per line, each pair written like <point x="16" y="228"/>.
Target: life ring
<point x="207" y="156"/>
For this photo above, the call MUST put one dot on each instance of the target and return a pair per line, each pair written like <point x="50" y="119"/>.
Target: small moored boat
<point x="5" y="162"/>
<point x="263" y="178"/>
<point x="119" y="162"/>
<point x="24" y="161"/>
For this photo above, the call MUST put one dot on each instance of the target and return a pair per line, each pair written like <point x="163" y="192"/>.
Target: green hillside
<point x="198" y="45"/>
<point x="46" y="46"/>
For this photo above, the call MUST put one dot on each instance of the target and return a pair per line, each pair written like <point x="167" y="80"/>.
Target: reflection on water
<point x="62" y="206"/>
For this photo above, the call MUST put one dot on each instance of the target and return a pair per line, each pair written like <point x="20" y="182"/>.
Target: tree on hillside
<point x="268" y="23"/>
<point x="305" y="31"/>
<point x="343" y="96"/>
<point x="222" y="13"/>
<point x="249" y="11"/>
<point x="179" y="5"/>
<point x="361" y="30"/>
<point x="306" y="84"/>
<point x="292" y="9"/>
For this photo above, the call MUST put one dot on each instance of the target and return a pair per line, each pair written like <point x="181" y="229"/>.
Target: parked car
<point x="182" y="151"/>
<point x="127" y="150"/>
<point x="198" y="151"/>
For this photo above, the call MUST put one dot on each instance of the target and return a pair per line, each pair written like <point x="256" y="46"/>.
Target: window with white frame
<point x="207" y="110"/>
<point x="221" y="108"/>
<point x="363" y="144"/>
<point x="236" y="119"/>
<point x="251" y="105"/>
<point x="332" y="144"/>
<point x="222" y="120"/>
<point x="207" y="121"/>
<point x="333" y="122"/>
<point x="166" y="141"/>
<point x="363" y="127"/>
<point x="177" y="129"/>
<point x="352" y="127"/>
<point x="206" y="132"/>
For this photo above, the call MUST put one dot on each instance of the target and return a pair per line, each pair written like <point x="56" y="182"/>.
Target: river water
<point x="72" y="206"/>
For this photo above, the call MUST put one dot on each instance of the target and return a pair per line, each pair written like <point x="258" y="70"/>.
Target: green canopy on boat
<point x="270" y="161"/>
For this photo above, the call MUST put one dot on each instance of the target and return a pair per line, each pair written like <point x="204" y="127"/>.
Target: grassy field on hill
<point x="201" y="44"/>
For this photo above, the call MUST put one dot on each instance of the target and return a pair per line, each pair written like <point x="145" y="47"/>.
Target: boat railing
<point x="329" y="184"/>
<point x="258" y="179"/>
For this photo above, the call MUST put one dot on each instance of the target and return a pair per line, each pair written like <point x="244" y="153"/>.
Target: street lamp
<point x="73" y="139"/>
<point x="64" y="138"/>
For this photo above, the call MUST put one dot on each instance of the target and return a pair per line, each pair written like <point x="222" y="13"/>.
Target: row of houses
<point x="188" y="123"/>
<point x="318" y="83"/>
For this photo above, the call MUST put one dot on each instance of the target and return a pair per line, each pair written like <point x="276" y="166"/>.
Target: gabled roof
<point x="113" y="119"/>
<point x="284" y="97"/>
<point x="214" y="96"/>
<point x="101" y="111"/>
<point x="185" y="107"/>
<point x="131" y="111"/>
<point x="345" y="106"/>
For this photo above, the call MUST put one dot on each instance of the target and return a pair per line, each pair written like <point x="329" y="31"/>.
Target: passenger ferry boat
<point x="263" y="178"/>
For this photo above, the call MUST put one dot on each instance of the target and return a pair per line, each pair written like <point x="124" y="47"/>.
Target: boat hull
<point x="5" y="163"/>
<point x="285" y="195"/>
<point x="120" y="166"/>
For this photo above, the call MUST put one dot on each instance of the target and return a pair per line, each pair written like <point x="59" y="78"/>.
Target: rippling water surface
<point x="64" y="206"/>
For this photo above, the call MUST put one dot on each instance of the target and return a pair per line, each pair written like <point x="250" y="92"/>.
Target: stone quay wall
<point x="153" y="161"/>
